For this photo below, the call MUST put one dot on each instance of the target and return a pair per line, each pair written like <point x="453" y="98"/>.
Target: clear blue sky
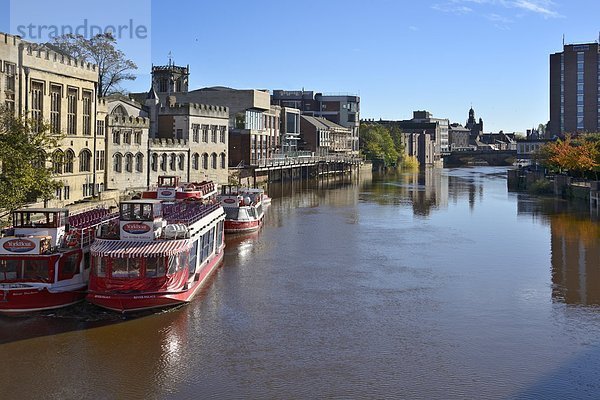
<point x="400" y="56"/>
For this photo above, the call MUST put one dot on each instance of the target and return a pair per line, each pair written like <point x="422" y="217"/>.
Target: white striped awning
<point x="130" y="249"/>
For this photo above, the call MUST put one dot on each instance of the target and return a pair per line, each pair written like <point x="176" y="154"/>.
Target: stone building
<point x="49" y="86"/>
<point x="458" y="137"/>
<point x="191" y="142"/>
<point x="126" y="145"/>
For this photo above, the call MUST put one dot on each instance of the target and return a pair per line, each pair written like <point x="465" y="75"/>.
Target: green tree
<point x="377" y="143"/>
<point x="113" y="67"/>
<point x="24" y="154"/>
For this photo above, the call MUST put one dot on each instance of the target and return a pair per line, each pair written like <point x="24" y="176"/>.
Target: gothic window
<point x="205" y="161"/>
<point x="69" y="159"/>
<point x="181" y="162"/>
<point x="213" y="160"/>
<point x="57" y="162"/>
<point x="154" y="162"/>
<point x="195" y="161"/>
<point x="129" y="162"/>
<point x="117" y="162"/>
<point x="139" y="162"/>
<point x="223" y="161"/>
<point x="85" y="160"/>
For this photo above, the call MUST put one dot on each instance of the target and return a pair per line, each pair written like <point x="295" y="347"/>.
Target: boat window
<point x="155" y="267"/>
<point x="231" y="212"/>
<point x="136" y="212"/>
<point x="243" y="214"/>
<point x="24" y="219"/>
<point x="126" y="267"/>
<point x="36" y="270"/>
<point x="173" y="264"/>
<point x="69" y="266"/>
<point x="183" y="260"/>
<point x="99" y="267"/>
<point x="219" y="234"/>
<point x="193" y="255"/>
<point x="8" y="269"/>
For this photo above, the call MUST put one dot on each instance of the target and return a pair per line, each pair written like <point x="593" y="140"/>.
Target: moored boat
<point x="160" y="257"/>
<point x="44" y="257"/>
<point x="170" y="188"/>
<point x="243" y="208"/>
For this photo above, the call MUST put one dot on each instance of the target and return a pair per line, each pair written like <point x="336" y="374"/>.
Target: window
<point x="37" y="104"/>
<point x="205" y="161"/>
<point x="87" y="112"/>
<point x="154" y="162"/>
<point x="196" y="133"/>
<point x="9" y="85"/>
<point x="100" y="128"/>
<point x="117" y="162"/>
<point x="155" y="267"/>
<point x="179" y="134"/>
<point x="213" y="160"/>
<point x="67" y="192"/>
<point x="138" y="137"/>
<point x="85" y="159"/>
<point x="213" y="134"/>
<point x="205" y="133"/>
<point x="139" y="162"/>
<point x="69" y="266"/>
<point x="100" y="161"/>
<point x="57" y="162"/>
<point x="181" y="162"/>
<point x="223" y="161"/>
<point x="163" y="162"/>
<point x="126" y="267"/>
<point x="116" y="136"/>
<point x="55" y="97"/>
<point x="173" y="162"/>
<point x="163" y="85"/>
<point x="129" y="162"/>
<point x="69" y="158"/>
<point x="222" y="130"/>
<point x="127" y="137"/>
<point x="195" y="161"/>
<point x="72" y="112"/>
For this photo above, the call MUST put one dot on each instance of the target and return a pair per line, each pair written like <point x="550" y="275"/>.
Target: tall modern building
<point x="575" y="89"/>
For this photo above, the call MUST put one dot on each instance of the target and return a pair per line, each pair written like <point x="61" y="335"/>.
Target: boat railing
<point x="191" y="214"/>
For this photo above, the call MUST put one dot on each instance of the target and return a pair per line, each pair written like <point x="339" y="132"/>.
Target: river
<point x="440" y="285"/>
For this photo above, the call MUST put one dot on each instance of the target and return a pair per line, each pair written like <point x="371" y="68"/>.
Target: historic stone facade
<point x="191" y="142"/>
<point x="49" y="86"/>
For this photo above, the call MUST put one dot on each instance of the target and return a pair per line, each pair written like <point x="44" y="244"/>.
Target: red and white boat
<point x="160" y="257"/>
<point x="243" y="208"/>
<point x="44" y="257"/>
<point x="170" y="188"/>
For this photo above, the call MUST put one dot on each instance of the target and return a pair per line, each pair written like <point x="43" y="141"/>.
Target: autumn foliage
<point x="579" y="156"/>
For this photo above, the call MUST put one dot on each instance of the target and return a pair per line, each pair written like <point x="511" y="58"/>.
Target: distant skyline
<point x="399" y="56"/>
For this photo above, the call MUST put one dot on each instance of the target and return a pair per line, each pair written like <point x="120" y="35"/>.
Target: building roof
<point x="322" y="123"/>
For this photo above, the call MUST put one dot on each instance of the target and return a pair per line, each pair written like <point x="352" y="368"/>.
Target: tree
<point x="113" y="66"/>
<point x="376" y="142"/>
<point x="581" y="155"/>
<point x="24" y="153"/>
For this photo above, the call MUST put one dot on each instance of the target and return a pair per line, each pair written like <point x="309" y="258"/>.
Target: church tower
<point x="170" y="79"/>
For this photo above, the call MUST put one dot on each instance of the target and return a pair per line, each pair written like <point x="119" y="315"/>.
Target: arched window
<point x="85" y="160"/>
<point x="213" y="160"/>
<point x="69" y="159"/>
<point x="128" y="162"/>
<point x="173" y="162"/>
<point x="154" y="162"/>
<point x="120" y="111"/>
<point x="181" y="162"/>
<point x="117" y="162"/>
<point x="58" y="159"/>
<point x="195" y="161"/>
<point x="205" y="161"/>
<point x="223" y="161"/>
<point x="139" y="162"/>
<point x="163" y="162"/>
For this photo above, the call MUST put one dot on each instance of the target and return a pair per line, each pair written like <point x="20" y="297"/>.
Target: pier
<point x="299" y="167"/>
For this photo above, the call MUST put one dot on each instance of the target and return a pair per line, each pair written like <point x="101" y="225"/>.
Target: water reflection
<point x="575" y="260"/>
<point x="575" y="247"/>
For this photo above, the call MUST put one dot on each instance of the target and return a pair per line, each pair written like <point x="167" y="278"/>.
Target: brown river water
<point x="441" y="285"/>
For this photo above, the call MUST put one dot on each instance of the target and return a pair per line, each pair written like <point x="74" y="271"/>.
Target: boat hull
<point x="33" y="299"/>
<point x="232" y="226"/>
<point x="139" y="301"/>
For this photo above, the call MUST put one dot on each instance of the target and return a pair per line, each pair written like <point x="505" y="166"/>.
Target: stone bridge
<point x="485" y="157"/>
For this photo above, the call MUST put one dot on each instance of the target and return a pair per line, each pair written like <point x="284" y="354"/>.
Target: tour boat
<point x="161" y="255"/>
<point x="243" y="208"/>
<point x="170" y="188"/>
<point x="44" y="257"/>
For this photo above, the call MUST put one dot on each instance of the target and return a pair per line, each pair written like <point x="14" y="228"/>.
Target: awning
<point x="132" y="249"/>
